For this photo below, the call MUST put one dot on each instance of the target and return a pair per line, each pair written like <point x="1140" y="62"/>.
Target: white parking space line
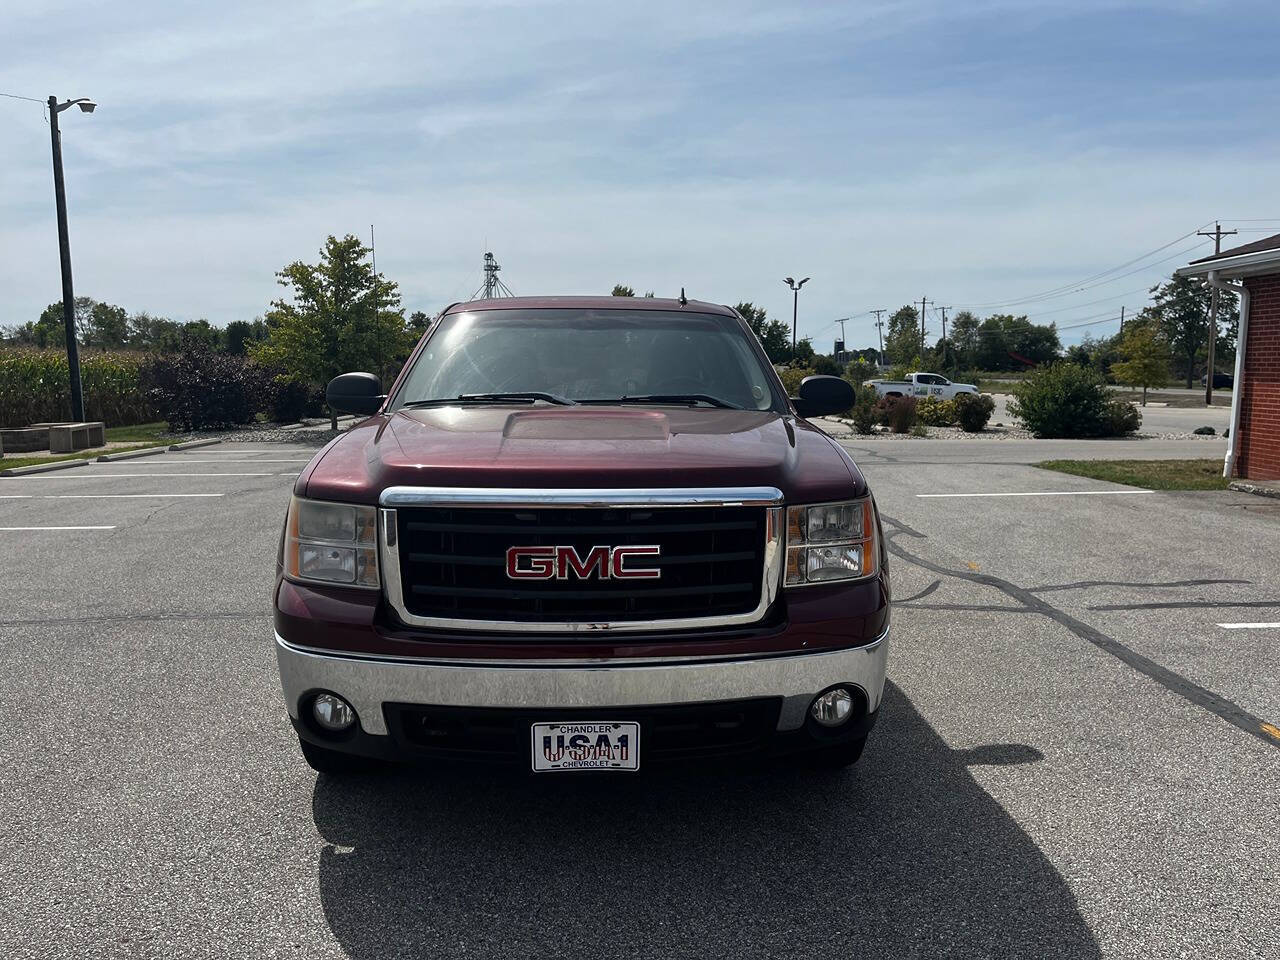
<point x="1250" y="626"/>
<point x="119" y="476"/>
<point x="103" y="496"/>
<point x="1036" y="493"/>
<point x="170" y="462"/>
<point x="122" y="496"/>
<point x="57" y="528"/>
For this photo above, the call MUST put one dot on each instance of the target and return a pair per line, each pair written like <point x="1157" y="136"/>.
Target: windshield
<point x="589" y="356"/>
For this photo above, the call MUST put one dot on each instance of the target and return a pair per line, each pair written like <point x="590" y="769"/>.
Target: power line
<point x="1069" y="288"/>
<point x="14" y="96"/>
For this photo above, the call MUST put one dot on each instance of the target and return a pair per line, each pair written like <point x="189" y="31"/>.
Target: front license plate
<point x="592" y="745"/>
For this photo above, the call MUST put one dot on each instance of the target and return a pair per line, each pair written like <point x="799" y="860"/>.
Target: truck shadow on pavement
<point x="904" y="856"/>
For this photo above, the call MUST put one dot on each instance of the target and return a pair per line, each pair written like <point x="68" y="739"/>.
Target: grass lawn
<point x="139" y="431"/>
<point x="1152" y="474"/>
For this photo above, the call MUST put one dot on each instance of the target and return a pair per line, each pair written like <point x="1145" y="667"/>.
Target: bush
<point x="293" y="399"/>
<point x="1066" y="400"/>
<point x="859" y="371"/>
<point x="936" y="413"/>
<point x="973" y="410"/>
<point x="1204" y="431"/>
<point x="863" y="411"/>
<point x="199" y="389"/>
<point x="791" y="378"/>
<point x="897" y="413"/>
<point x="1122" y="417"/>
<point x="35" y="387"/>
<point x="919" y="430"/>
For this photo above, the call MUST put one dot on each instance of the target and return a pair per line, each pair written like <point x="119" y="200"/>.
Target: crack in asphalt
<point x="919" y="596"/>
<point x="1086" y="584"/>
<point x="1175" y="683"/>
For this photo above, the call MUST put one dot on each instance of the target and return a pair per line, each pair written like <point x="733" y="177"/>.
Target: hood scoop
<point x="586" y="425"/>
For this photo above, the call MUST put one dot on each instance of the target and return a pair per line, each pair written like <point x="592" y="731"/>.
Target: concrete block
<point x="68" y="437"/>
<point x="24" y="440"/>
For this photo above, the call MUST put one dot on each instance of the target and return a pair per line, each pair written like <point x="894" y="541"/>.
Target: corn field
<point x="34" y="387"/>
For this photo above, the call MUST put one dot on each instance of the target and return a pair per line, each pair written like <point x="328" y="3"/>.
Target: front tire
<point x="335" y="762"/>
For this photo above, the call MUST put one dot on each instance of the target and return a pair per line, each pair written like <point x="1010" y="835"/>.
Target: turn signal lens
<point x="331" y="543"/>
<point x="831" y="541"/>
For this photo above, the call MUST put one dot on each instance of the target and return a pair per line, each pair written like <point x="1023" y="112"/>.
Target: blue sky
<point x="972" y="152"/>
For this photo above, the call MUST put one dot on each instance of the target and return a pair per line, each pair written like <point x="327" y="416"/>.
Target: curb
<point x="193" y="443"/>
<point x="42" y="468"/>
<point x="131" y="454"/>
<point x="1257" y="490"/>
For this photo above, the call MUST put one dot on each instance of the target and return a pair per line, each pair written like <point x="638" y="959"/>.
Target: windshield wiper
<point x="689" y="398"/>
<point x="525" y="397"/>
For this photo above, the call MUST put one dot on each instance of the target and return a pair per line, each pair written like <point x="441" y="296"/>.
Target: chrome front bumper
<point x="367" y="683"/>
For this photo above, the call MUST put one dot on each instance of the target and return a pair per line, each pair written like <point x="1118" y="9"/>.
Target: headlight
<point x="831" y="541"/>
<point x="331" y="543"/>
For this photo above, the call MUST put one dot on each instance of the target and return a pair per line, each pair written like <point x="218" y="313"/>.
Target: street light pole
<point x="795" y="307"/>
<point x="64" y="252"/>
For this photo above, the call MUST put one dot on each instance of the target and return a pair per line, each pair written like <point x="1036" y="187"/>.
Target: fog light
<point x="332" y="713"/>
<point x="832" y="708"/>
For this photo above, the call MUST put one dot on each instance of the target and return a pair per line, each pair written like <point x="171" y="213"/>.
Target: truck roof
<point x="590" y="303"/>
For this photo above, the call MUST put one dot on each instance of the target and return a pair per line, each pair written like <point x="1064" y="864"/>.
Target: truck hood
<point x="582" y="447"/>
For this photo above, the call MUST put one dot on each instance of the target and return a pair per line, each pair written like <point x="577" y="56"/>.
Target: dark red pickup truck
<point x="582" y="534"/>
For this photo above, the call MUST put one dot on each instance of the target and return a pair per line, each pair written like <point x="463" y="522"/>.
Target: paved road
<point x="1071" y="761"/>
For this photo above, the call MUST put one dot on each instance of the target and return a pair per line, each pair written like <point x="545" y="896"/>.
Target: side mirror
<point x="359" y="393"/>
<point x="820" y="396"/>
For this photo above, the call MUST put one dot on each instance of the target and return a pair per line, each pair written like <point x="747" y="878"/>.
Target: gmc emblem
<point x="560" y="563"/>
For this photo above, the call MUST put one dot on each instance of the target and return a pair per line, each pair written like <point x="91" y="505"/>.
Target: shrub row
<point x="192" y="390"/>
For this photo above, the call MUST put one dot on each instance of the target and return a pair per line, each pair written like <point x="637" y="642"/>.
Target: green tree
<point x="964" y="338"/>
<point x="1146" y="358"/>
<point x="622" y="290"/>
<point x="826" y="365"/>
<point x="1006" y="342"/>
<point x="157" y="334"/>
<point x="50" y="331"/>
<point x="803" y="354"/>
<point x="202" y="333"/>
<point x="774" y="335"/>
<point x="902" y="342"/>
<point x="418" y="323"/>
<point x="240" y="334"/>
<point x="108" y="326"/>
<point x="337" y="317"/>
<point x="1182" y="308"/>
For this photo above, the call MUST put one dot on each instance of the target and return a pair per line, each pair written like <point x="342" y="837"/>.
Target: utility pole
<point x="923" y="301"/>
<point x="64" y="252"/>
<point x="1217" y="234"/>
<point x="1122" y="318"/>
<point x="880" y="331"/>
<point x="944" y="333"/>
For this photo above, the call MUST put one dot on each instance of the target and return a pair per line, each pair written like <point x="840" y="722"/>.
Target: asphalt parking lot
<point x="1077" y="755"/>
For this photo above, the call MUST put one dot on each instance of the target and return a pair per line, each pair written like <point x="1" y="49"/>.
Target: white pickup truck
<point x="921" y="385"/>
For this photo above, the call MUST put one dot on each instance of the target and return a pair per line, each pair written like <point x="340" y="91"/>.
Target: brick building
<point x="1253" y="272"/>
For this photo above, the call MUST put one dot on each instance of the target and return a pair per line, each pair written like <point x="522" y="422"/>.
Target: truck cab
<point x="582" y="534"/>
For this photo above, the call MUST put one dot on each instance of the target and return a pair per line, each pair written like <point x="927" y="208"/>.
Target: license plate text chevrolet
<point x="582" y="534"/>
